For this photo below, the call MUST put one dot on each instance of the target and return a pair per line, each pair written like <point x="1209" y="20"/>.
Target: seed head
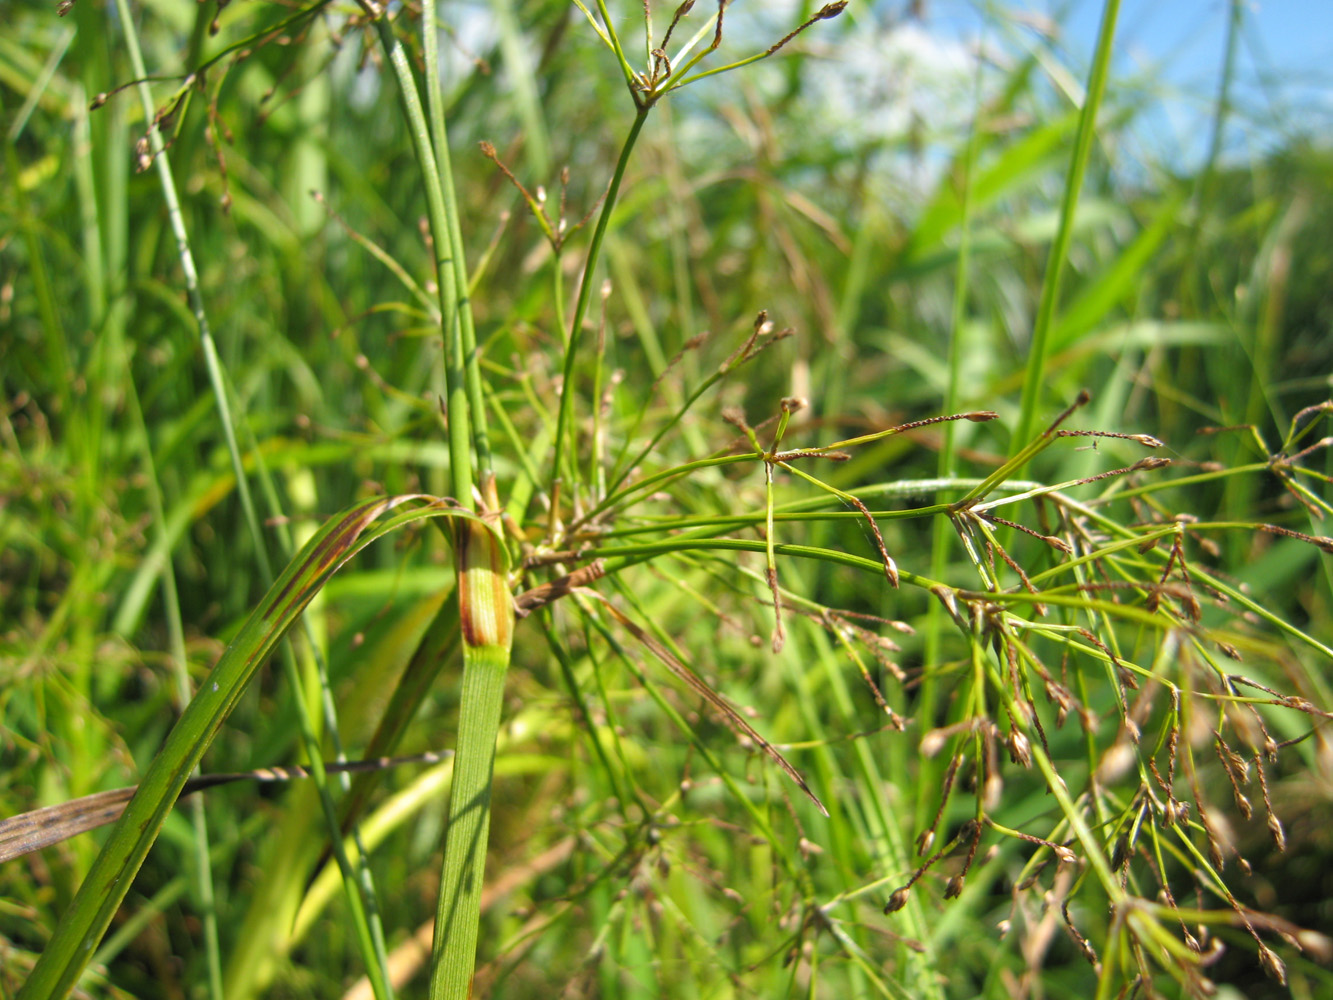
<point x="1272" y="964"/>
<point x="897" y="901"/>
<point x="1020" y="748"/>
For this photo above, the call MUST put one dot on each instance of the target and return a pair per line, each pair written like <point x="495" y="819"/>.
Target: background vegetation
<point x="895" y="214"/>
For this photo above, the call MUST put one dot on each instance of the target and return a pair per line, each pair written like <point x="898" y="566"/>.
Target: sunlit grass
<point x="1050" y="700"/>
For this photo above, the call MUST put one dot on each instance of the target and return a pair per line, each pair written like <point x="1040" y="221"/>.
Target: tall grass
<point x="858" y="651"/>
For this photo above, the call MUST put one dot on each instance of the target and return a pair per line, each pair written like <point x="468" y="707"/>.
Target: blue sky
<point x="1172" y="52"/>
<point x="1284" y="37"/>
<point x="1284" y="61"/>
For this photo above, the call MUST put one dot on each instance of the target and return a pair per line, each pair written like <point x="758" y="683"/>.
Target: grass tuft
<point x="886" y="523"/>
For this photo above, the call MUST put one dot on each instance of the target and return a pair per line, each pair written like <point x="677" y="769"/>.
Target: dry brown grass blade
<point x="39" y="828"/>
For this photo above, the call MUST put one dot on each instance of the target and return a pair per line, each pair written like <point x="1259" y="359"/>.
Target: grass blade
<point x="1055" y="261"/>
<point x="108" y="881"/>
<point x="486" y="623"/>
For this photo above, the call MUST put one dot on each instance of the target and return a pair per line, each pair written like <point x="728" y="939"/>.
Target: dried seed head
<point x="1272" y="964"/>
<point x="925" y="842"/>
<point x="1058" y="543"/>
<point x="831" y="10"/>
<point x="1020" y="748"/>
<point x="1279" y="835"/>
<point x="1148" y="464"/>
<point x="898" y="900"/>
<point x="954" y="887"/>
<point x="947" y="598"/>
<point x="1176" y="812"/>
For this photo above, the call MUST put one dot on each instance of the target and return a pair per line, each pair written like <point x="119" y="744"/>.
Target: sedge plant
<point x="1023" y="703"/>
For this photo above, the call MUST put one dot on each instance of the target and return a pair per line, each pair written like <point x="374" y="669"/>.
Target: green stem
<point x="614" y="41"/>
<point x="1050" y="289"/>
<point x="456" y="398"/>
<point x="464" y="366"/>
<point x="585" y="294"/>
